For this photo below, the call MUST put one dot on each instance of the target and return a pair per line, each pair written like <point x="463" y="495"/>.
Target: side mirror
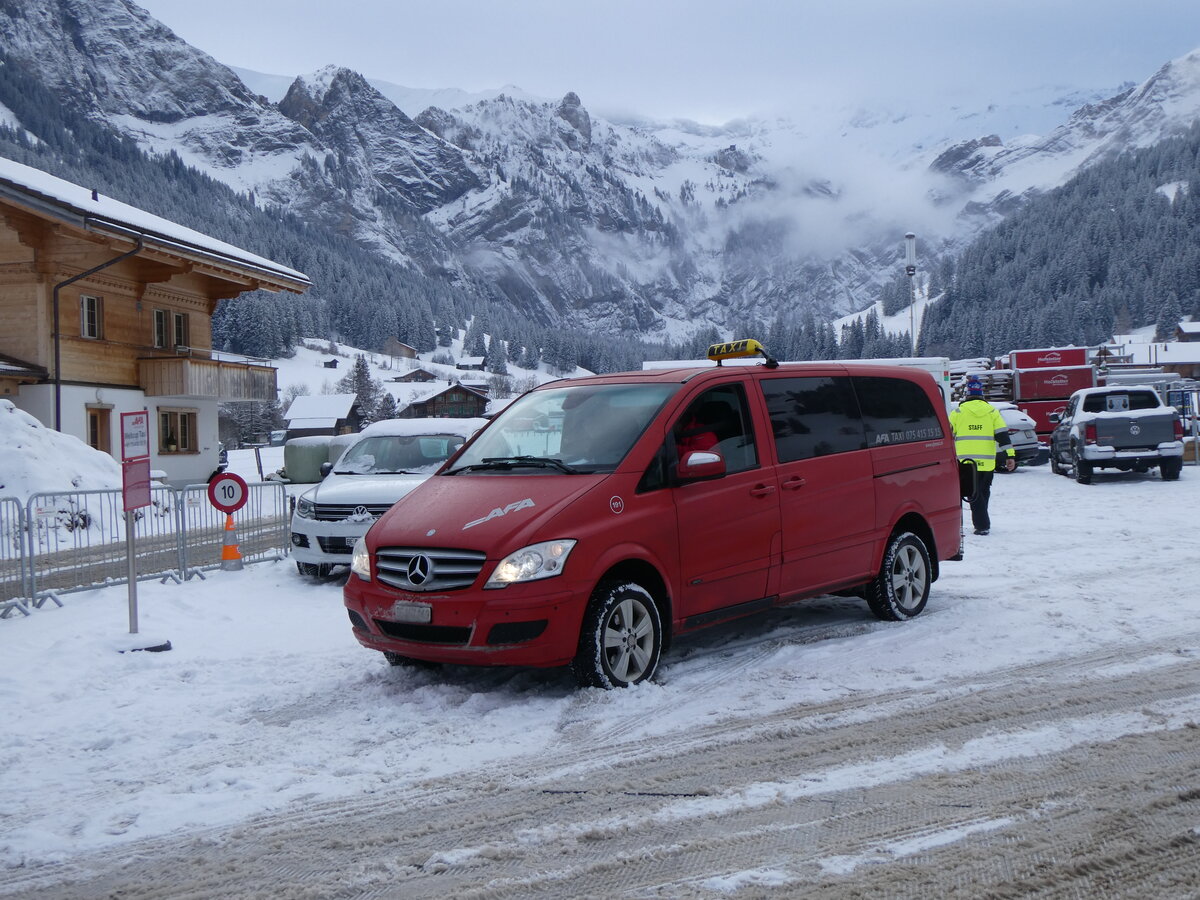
<point x="701" y="464"/>
<point x="1054" y="417"/>
<point x="326" y="468"/>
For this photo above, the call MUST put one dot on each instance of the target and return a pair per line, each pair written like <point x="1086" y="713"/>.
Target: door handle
<point x="762" y="490"/>
<point x="794" y="484"/>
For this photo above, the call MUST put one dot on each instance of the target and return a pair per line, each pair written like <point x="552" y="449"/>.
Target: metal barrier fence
<point x="262" y="526"/>
<point x="76" y="540"/>
<point x="14" y="581"/>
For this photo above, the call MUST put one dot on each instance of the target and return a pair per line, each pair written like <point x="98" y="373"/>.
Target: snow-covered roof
<point x="62" y="198"/>
<point x="15" y="368"/>
<point x="1190" y="327"/>
<point x="319" y="406"/>
<point x="1164" y="354"/>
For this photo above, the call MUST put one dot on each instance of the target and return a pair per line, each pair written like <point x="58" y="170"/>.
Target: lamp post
<point x="910" y="268"/>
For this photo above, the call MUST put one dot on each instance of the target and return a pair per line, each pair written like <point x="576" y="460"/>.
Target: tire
<point x="621" y="639"/>
<point x="314" y="570"/>
<point x="1054" y="464"/>
<point x="901" y="588"/>
<point x="1169" y="469"/>
<point x="1083" y="469"/>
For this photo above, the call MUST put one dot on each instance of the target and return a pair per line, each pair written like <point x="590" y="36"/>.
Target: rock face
<point x="564" y="215"/>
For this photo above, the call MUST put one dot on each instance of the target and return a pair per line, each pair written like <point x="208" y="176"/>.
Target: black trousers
<point x="979" y="503"/>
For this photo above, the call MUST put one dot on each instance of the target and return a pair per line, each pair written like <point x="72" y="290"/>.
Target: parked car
<point x="669" y="499"/>
<point x="387" y="461"/>
<point x="1023" y="435"/>
<point x="1125" y="427"/>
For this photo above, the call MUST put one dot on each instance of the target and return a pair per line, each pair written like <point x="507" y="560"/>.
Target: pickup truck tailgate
<point x="1132" y="431"/>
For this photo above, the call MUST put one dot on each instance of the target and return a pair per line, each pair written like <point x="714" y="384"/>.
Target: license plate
<point x="412" y="612"/>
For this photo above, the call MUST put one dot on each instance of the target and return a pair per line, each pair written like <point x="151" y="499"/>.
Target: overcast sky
<point x="709" y="60"/>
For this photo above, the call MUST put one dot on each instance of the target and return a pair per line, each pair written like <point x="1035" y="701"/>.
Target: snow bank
<point x="37" y="458"/>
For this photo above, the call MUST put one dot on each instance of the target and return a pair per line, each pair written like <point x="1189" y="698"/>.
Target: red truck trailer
<point x="1051" y="383"/>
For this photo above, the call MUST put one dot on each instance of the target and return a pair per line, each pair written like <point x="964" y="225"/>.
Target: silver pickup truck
<point x="1118" y="427"/>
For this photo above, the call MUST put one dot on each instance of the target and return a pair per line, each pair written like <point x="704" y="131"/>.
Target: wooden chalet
<point x="455" y="402"/>
<point x="1188" y="332"/>
<point x="415" y="376"/>
<point x="398" y="349"/>
<point x="323" y="414"/>
<point x="105" y="309"/>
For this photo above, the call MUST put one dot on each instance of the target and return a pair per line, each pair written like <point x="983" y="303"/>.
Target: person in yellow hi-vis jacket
<point x="979" y="433"/>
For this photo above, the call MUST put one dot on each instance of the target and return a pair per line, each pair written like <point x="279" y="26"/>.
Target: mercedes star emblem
<point x="420" y="570"/>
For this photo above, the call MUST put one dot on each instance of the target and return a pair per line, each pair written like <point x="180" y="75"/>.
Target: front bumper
<point x="535" y="624"/>
<point x="325" y="542"/>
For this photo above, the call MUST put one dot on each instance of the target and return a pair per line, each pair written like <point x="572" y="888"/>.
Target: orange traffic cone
<point x="231" y="557"/>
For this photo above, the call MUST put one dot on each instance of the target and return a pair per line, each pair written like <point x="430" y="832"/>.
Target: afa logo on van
<point x="499" y="511"/>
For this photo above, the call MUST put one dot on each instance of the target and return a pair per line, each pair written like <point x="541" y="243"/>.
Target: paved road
<point x="1078" y="778"/>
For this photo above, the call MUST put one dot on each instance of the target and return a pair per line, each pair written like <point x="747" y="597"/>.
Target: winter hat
<point x="974" y="387"/>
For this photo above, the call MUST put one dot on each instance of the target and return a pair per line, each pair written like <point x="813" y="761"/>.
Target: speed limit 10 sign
<point x="227" y="492"/>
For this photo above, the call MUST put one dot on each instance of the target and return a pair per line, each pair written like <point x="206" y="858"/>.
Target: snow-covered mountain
<point x="572" y="218"/>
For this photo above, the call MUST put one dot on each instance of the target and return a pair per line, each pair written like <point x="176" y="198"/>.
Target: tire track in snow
<point x="780" y="795"/>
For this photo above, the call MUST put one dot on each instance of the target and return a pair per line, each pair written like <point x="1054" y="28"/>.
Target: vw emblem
<point x="361" y="511"/>
<point x="1135" y="429"/>
<point x="420" y="570"/>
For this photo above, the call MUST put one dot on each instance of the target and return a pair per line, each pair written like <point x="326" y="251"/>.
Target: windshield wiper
<point x="514" y="462"/>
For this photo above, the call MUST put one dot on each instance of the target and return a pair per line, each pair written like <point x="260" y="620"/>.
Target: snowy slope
<point x="637" y="226"/>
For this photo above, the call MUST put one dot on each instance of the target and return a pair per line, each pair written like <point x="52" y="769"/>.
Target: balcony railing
<point x="197" y="377"/>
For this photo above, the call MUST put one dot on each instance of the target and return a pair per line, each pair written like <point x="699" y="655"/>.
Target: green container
<point x="339" y="443"/>
<point x="302" y="458"/>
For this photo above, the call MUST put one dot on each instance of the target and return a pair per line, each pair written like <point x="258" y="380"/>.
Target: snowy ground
<point x="268" y="704"/>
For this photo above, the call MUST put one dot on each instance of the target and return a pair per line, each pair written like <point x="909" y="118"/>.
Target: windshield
<point x="390" y="454"/>
<point x="587" y="428"/>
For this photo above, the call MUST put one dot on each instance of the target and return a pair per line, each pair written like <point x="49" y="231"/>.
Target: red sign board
<point x="1050" y="358"/>
<point x="1051" y="384"/>
<point x="135" y="483"/>
<point x="228" y="492"/>
<point x="135" y="435"/>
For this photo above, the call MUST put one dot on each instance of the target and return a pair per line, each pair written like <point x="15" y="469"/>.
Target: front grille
<point x="336" y="544"/>
<point x="335" y="512"/>
<point x="442" y="569"/>
<point x="425" y="634"/>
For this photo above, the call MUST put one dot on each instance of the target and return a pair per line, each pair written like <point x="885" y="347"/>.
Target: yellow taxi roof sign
<point x="737" y="350"/>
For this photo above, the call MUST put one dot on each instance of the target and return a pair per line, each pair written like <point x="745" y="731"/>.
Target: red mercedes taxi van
<point x="594" y="518"/>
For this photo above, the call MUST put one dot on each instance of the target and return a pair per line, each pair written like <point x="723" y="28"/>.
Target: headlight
<point x="360" y="559"/>
<point x="306" y="509"/>
<point x="544" y="560"/>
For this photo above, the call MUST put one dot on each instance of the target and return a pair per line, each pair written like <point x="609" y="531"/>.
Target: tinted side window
<point x="813" y="416"/>
<point x="895" y="411"/>
<point x="718" y="420"/>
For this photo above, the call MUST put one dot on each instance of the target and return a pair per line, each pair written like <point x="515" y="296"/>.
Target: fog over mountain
<point x="570" y="218"/>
